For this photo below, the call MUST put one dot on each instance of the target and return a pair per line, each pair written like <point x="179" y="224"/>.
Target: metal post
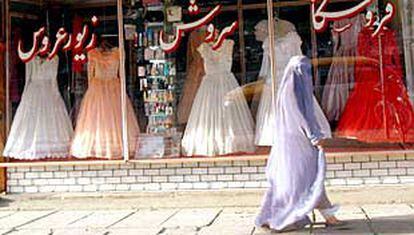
<point x="271" y="31"/>
<point x="242" y="43"/>
<point x="382" y="79"/>
<point x="125" y="144"/>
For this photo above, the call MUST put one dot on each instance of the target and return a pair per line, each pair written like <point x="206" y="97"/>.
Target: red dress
<point x="378" y="111"/>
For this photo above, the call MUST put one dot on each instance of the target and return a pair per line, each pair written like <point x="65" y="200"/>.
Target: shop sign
<point x="321" y="18"/>
<point x="212" y="32"/>
<point x="64" y="42"/>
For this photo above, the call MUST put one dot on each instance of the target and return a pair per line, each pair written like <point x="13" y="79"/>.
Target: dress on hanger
<point x="215" y="126"/>
<point x="41" y="127"/>
<point x="296" y="167"/>
<point x="378" y="109"/>
<point x="98" y="130"/>
<point x="285" y="48"/>
<point x="195" y="72"/>
<point x="341" y="74"/>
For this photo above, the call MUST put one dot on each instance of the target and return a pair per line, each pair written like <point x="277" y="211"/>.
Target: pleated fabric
<point x="98" y="130"/>
<point x="285" y="48"/>
<point x="41" y="127"/>
<point x="218" y="124"/>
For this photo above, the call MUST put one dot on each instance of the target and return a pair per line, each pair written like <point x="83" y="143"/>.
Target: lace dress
<point x="98" y="130"/>
<point x="41" y="126"/>
<point x="217" y="127"/>
<point x="286" y="47"/>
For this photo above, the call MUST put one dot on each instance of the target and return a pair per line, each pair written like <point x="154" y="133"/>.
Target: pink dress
<point x="98" y="130"/>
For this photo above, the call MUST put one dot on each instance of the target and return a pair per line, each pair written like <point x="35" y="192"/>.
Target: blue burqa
<point x="296" y="167"/>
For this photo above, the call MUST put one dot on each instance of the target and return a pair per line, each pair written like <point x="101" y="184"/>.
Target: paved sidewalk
<point x="366" y="219"/>
<point x="194" y="213"/>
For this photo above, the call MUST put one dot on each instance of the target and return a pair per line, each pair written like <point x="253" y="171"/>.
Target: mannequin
<point x="216" y="127"/>
<point x="287" y="44"/>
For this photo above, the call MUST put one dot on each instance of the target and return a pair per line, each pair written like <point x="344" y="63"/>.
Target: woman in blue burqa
<point x="296" y="166"/>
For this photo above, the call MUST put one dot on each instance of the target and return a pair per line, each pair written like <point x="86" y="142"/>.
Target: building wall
<point x="341" y="170"/>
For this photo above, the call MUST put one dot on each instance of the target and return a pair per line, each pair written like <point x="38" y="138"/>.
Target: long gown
<point x="375" y="97"/>
<point x="341" y="74"/>
<point x="98" y="130"/>
<point x="217" y="127"/>
<point x="296" y="168"/>
<point x="285" y="48"/>
<point x="41" y="127"/>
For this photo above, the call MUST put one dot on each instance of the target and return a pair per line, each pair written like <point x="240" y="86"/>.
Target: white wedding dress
<point x="217" y="126"/>
<point x="285" y="48"/>
<point x="41" y="126"/>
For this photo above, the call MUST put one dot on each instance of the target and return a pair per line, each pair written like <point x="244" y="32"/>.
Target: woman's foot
<point x="333" y="221"/>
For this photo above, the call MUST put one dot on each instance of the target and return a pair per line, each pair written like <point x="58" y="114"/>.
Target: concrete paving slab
<point x="79" y="231"/>
<point x="192" y="218"/>
<point x="60" y="219"/>
<point x="101" y="219"/>
<point x="357" y="223"/>
<point x="180" y="231"/>
<point x="132" y="231"/>
<point x="31" y="232"/>
<point x="237" y="221"/>
<point x="4" y="214"/>
<point x="260" y="231"/>
<point x="146" y="218"/>
<point x="22" y="218"/>
<point x="391" y="219"/>
<point x="227" y="231"/>
<point x="381" y="210"/>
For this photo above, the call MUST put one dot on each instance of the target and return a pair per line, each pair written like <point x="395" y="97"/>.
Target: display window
<point x="137" y="80"/>
<point x="64" y="86"/>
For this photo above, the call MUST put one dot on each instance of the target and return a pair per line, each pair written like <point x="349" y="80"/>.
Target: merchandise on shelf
<point x="156" y="74"/>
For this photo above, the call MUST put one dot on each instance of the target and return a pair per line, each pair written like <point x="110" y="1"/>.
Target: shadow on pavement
<point x="5" y="202"/>
<point x="384" y="225"/>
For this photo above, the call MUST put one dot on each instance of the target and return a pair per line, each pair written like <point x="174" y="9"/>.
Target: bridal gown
<point x="285" y="48"/>
<point x="41" y="126"/>
<point x="98" y="130"/>
<point x="217" y="126"/>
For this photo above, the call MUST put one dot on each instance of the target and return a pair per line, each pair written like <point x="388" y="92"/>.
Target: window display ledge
<point x="330" y="155"/>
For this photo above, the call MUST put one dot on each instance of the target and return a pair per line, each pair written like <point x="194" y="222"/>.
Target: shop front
<point x="148" y="95"/>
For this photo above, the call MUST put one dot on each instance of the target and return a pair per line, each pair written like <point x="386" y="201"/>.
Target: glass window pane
<point x="65" y="97"/>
